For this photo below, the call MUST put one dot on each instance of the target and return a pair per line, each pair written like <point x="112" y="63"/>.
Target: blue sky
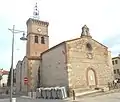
<point x="66" y="17"/>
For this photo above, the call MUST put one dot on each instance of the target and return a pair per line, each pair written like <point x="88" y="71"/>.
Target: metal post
<point x="73" y="92"/>
<point x="12" y="58"/>
<point x="11" y="84"/>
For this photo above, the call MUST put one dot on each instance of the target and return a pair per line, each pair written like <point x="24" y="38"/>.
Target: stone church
<point x="77" y="63"/>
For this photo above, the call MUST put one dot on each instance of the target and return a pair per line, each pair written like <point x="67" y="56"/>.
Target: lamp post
<point x="12" y="57"/>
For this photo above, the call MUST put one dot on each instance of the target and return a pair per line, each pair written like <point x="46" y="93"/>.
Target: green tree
<point x="1" y="74"/>
<point x="14" y="77"/>
<point x="0" y="77"/>
<point x="9" y="78"/>
<point x="39" y="77"/>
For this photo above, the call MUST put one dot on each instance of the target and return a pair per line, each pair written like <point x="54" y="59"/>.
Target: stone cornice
<point x="36" y="34"/>
<point x="33" y="58"/>
<point x="85" y="36"/>
<point x="43" y="23"/>
<point x="115" y="58"/>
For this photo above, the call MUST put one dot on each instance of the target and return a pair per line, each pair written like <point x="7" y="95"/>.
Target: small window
<point x="42" y="40"/>
<point x="113" y="62"/>
<point x="114" y="71"/>
<point x="36" y="39"/>
<point x="89" y="46"/>
<point x="116" y="62"/>
<point x="118" y="71"/>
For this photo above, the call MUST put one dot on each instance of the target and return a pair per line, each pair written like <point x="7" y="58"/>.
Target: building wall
<point x="116" y="67"/>
<point x="32" y="48"/>
<point x="53" y="67"/>
<point x="110" y="64"/>
<point x="33" y="72"/>
<point x="18" y="76"/>
<point x="24" y="74"/>
<point x="4" y="74"/>
<point x="79" y="64"/>
<point x="4" y="80"/>
<point x="29" y="69"/>
<point x="34" y="24"/>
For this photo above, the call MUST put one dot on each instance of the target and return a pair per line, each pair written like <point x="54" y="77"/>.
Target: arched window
<point x="42" y="40"/>
<point x="36" y="39"/>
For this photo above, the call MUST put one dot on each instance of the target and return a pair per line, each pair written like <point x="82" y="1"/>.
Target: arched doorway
<point x="91" y="78"/>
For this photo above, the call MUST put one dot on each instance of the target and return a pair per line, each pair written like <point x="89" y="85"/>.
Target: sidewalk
<point x="94" y="93"/>
<point x="87" y="92"/>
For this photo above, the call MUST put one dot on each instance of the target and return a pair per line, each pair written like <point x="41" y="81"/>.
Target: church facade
<point x="77" y="63"/>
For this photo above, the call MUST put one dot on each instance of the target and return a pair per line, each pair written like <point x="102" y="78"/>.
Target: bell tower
<point x="37" y="42"/>
<point x="37" y="35"/>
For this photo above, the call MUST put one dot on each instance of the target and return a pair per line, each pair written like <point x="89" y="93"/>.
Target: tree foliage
<point x="1" y="74"/>
<point x="9" y="78"/>
<point x="38" y="77"/>
<point x="0" y="77"/>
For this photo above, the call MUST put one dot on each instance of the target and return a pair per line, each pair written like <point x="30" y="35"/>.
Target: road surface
<point x="112" y="97"/>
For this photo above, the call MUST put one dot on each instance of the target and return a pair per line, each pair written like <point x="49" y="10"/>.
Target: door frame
<point x="88" y="79"/>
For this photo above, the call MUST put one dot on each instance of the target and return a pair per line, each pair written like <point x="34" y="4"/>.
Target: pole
<point x="11" y="82"/>
<point x="73" y="92"/>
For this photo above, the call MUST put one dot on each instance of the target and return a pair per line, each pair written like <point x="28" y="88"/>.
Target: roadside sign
<point x="25" y="80"/>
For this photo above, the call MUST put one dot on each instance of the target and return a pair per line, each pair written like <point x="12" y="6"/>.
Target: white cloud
<point x="115" y="50"/>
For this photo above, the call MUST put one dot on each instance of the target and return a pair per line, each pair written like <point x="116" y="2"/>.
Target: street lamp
<point x="22" y="38"/>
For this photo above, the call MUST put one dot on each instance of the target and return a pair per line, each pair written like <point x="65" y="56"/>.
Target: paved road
<point x="113" y="97"/>
<point x="8" y="96"/>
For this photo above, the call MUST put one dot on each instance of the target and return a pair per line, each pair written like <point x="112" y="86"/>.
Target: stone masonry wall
<point x="78" y="63"/>
<point x="53" y="69"/>
<point x="33" y="72"/>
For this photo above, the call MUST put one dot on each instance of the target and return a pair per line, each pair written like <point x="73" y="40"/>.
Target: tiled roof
<point x="4" y="72"/>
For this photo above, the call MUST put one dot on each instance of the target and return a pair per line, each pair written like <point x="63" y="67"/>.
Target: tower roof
<point x="36" y="19"/>
<point x="36" y="12"/>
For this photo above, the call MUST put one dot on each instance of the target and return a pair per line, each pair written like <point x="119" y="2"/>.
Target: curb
<point x="87" y="93"/>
